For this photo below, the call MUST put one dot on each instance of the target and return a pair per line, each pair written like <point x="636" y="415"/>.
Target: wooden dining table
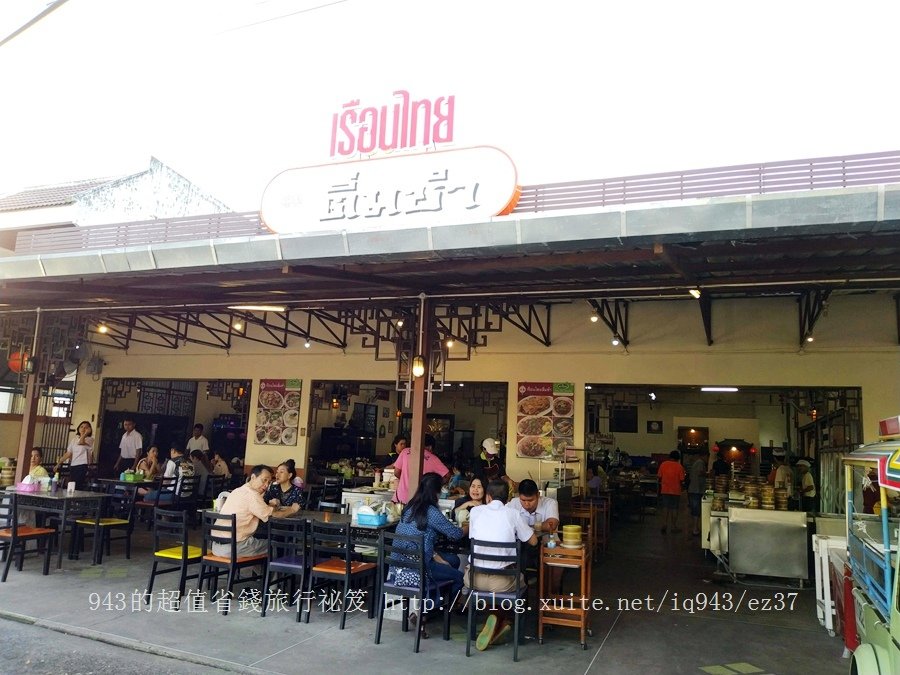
<point x="63" y="503"/>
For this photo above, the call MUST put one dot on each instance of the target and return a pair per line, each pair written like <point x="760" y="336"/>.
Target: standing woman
<point x="79" y="454"/>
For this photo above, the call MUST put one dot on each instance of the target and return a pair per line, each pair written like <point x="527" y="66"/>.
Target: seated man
<point x="539" y="512"/>
<point x="494" y="522"/>
<point x="247" y="503"/>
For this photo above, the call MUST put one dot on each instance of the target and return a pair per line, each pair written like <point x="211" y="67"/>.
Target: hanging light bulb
<point x="615" y="341"/>
<point x="418" y="366"/>
<point x="102" y="328"/>
<point x="449" y="342"/>
<point x="307" y="344"/>
<point x="238" y="325"/>
<point x="399" y="323"/>
<point x="594" y="317"/>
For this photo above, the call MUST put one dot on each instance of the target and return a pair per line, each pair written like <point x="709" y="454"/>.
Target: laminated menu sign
<point x="545" y="419"/>
<point x="278" y="412"/>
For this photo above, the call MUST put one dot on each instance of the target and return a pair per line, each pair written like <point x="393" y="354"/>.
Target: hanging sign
<point x="468" y="185"/>
<point x="278" y="412"/>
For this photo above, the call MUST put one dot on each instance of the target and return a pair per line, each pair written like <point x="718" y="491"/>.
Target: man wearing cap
<point x="488" y="465"/>
<point x="807" y="487"/>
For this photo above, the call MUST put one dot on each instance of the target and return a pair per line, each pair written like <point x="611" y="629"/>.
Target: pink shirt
<point x="430" y="464"/>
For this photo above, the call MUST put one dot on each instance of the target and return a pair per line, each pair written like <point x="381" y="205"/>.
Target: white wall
<point x="755" y="345"/>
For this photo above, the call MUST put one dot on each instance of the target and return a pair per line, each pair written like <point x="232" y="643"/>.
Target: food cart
<point x="872" y="549"/>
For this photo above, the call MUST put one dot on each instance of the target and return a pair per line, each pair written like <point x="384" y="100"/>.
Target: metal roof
<point x="49" y="195"/>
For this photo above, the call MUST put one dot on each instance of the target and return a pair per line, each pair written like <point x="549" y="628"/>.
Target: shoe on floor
<point x="486" y="636"/>
<point x="501" y="633"/>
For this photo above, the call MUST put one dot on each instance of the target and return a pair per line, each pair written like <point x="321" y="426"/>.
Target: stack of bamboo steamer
<point x="781" y="499"/>
<point x="8" y="476"/>
<point x="767" y="497"/>
<point x="720" y="493"/>
<point x="751" y="494"/>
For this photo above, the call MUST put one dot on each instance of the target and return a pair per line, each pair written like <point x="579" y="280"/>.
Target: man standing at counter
<point x="784" y="477"/>
<point x="807" y="487"/>
<point x="430" y="464"/>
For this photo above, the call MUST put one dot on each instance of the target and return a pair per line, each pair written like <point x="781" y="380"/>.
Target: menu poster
<point x="545" y="424"/>
<point x="278" y="412"/>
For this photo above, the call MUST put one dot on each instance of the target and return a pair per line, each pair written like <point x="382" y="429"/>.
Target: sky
<point x="231" y="92"/>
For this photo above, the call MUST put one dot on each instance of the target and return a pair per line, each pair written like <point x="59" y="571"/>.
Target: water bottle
<point x="54" y="482"/>
<point x="122" y="476"/>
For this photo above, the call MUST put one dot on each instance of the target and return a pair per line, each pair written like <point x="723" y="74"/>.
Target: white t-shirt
<point x="131" y="444"/>
<point x="495" y="522"/>
<point x="197" y="444"/>
<point x="784" y="477"/>
<point x="81" y="454"/>
<point x="547" y="508"/>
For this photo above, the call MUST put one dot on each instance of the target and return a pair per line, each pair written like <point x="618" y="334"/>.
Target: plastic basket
<point x="28" y="487"/>
<point x="372" y="519"/>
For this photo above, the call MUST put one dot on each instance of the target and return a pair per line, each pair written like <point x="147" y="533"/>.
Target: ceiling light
<point x="726" y="389"/>
<point x="258" y="308"/>
<point x="809" y="338"/>
<point x="399" y="323"/>
<point x="587" y="386"/>
<point x="461" y="384"/>
<point x="307" y="344"/>
<point x="102" y="328"/>
<point x="449" y="342"/>
<point x="695" y="292"/>
<point x="237" y="325"/>
<point x="615" y="341"/>
<point x="652" y="396"/>
<point x="418" y="366"/>
<point x="594" y="317"/>
<point x="447" y="384"/>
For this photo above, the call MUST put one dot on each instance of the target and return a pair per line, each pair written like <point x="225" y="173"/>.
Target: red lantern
<point x="17" y="361"/>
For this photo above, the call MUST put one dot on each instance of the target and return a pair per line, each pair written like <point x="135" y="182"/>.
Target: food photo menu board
<point x="278" y="412"/>
<point x="545" y="419"/>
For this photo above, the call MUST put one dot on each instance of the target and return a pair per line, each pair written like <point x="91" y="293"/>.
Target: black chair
<point x="187" y="494"/>
<point x="333" y="559"/>
<point x="407" y="552"/>
<point x="287" y="558"/>
<point x="332" y="489"/>
<point x="214" y="486"/>
<point x="333" y="507"/>
<point x="143" y="505"/>
<point x="510" y="566"/>
<point x="219" y="528"/>
<point x="118" y="517"/>
<point x="171" y="546"/>
<point x="313" y="495"/>
<point x="13" y="536"/>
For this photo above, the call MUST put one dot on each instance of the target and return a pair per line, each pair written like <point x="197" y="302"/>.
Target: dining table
<point x="63" y="503"/>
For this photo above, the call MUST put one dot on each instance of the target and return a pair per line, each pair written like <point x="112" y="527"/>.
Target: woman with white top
<point x="79" y="454"/>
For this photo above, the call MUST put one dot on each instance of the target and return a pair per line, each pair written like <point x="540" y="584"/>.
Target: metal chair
<point x="332" y="559"/>
<point x="220" y="528"/>
<point x="13" y="536"/>
<point x="171" y="527"/>
<point x="508" y="565"/>
<point x="119" y="517"/>
<point x="407" y="552"/>
<point x="333" y="507"/>
<point x="166" y="485"/>
<point x="287" y="557"/>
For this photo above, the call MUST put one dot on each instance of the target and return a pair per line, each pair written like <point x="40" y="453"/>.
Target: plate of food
<point x="262" y="418"/>
<point x="275" y="417"/>
<point x="534" y="446"/>
<point x="563" y="426"/>
<point x="560" y="445"/>
<point x="563" y="406"/>
<point x="292" y="400"/>
<point x="270" y="399"/>
<point x="289" y="436"/>
<point x="260" y="434"/>
<point x="273" y="434"/>
<point x="535" y="405"/>
<point x="291" y="418"/>
<point x="534" y="426"/>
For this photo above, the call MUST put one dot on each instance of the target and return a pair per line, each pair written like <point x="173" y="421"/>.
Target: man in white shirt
<point x="784" y="476"/>
<point x="198" y="441"/>
<point x="130" y="447"/>
<point x="495" y="522"/>
<point x="535" y="509"/>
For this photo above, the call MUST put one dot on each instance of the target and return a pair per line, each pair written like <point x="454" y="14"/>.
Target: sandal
<point x="414" y="620"/>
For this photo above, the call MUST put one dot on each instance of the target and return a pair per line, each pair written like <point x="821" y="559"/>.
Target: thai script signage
<point x="403" y="124"/>
<point x="445" y="187"/>
<point x="545" y="419"/>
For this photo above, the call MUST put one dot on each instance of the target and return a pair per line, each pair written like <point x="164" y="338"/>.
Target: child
<point x="454" y="484"/>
